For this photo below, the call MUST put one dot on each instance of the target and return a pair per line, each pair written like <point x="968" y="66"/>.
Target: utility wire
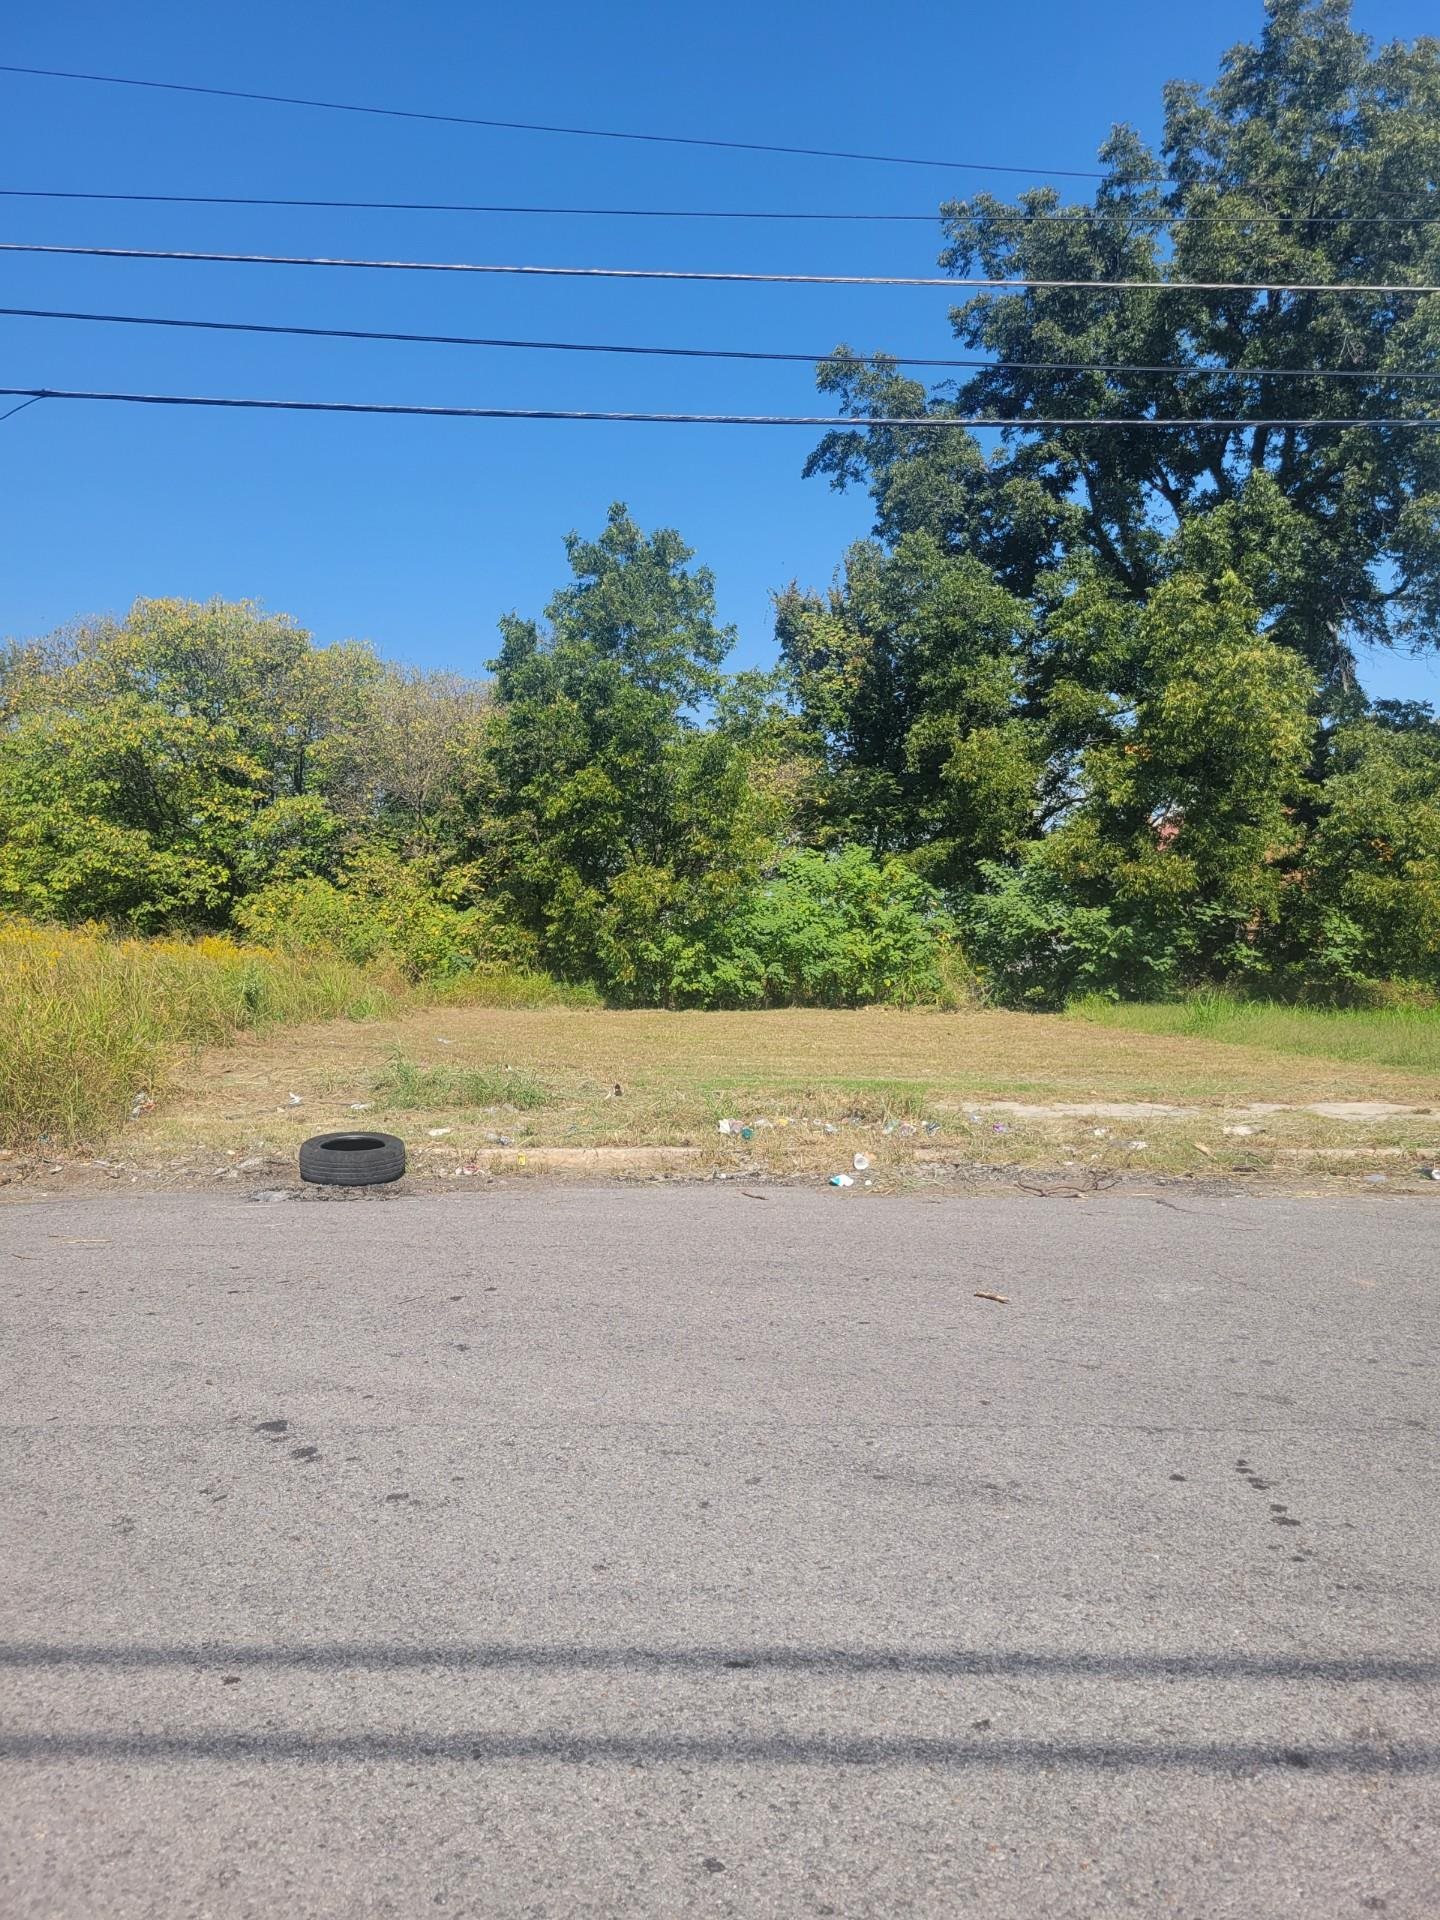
<point x="11" y="412"/>
<point x="583" y="133"/>
<point x="529" y="126"/>
<point x="922" y="422"/>
<point x="1060" y="216"/>
<point x="766" y="279"/>
<point x="727" y="353"/>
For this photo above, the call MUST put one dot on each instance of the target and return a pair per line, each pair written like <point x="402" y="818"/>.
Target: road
<point x="664" y="1551"/>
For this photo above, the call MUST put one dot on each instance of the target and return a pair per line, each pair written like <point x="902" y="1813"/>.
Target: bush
<point x="383" y="910"/>
<point x="834" y="930"/>
<point x="1034" y="945"/>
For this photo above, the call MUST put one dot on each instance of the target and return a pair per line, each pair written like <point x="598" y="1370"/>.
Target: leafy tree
<point x="154" y="770"/>
<point x="1364" y="905"/>
<point x="1174" y="862"/>
<point x="123" y="812"/>
<point x="1312" y="159"/>
<point x="909" y="681"/>
<point x="620" y="832"/>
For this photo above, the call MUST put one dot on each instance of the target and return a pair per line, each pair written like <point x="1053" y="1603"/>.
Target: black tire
<point x="352" y="1159"/>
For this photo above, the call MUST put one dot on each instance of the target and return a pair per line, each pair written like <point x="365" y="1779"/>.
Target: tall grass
<point x="404" y="1084"/>
<point x="1403" y="1037"/>
<point x="88" y="1021"/>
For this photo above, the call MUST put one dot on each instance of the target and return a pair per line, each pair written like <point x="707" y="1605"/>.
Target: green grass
<point x="403" y="1086"/>
<point x="503" y="986"/>
<point x="1403" y="1037"/>
<point x="87" y="1022"/>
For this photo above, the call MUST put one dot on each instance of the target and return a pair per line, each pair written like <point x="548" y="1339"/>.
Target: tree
<point x="1175" y="862"/>
<point x="1365" y="903"/>
<point x="908" y="679"/>
<point x="1312" y="159"/>
<point x="620" y="832"/>
<point x="156" y="769"/>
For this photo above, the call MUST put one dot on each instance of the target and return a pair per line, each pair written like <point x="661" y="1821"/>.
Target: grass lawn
<point x="813" y="1087"/>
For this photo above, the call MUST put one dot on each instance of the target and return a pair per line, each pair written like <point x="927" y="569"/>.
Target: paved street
<point x="666" y="1551"/>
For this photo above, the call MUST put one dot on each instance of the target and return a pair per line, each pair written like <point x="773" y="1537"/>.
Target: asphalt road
<point x="669" y="1552"/>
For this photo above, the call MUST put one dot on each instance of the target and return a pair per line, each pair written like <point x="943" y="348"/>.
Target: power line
<point x="1013" y="285"/>
<point x="529" y="126"/>
<point x="922" y="423"/>
<point x="725" y="353"/>
<point x="1059" y="216"/>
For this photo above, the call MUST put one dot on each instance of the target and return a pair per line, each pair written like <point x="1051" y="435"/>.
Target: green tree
<point x="908" y="679"/>
<point x="1310" y="160"/>
<point x="1364" y="905"/>
<point x="157" y="769"/>
<point x="620" y="832"/>
<point x="1174" y="863"/>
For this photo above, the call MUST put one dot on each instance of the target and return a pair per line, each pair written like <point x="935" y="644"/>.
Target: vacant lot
<point x="505" y="1087"/>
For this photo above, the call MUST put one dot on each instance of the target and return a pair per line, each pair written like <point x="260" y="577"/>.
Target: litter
<point x="1241" y="1133"/>
<point x="141" y="1103"/>
<point x="293" y="1100"/>
<point x="842" y="1180"/>
<point x="728" y="1126"/>
<point x="861" y="1162"/>
<point x="1000" y="1127"/>
<point x="747" y="1133"/>
<point x="928" y="1126"/>
<point x="1201" y="1148"/>
<point x="1428" y="1173"/>
<point x="830" y="1127"/>
<point x="973" y="1118"/>
<point x="1136" y="1146"/>
<point x="1100" y="1133"/>
<point x="1000" y="1299"/>
<point x="1376" y="1179"/>
<point x="361" y="1106"/>
<point x="438" y="1133"/>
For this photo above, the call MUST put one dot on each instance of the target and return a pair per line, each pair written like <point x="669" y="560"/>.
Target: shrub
<point x="834" y="930"/>
<point x="383" y="909"/>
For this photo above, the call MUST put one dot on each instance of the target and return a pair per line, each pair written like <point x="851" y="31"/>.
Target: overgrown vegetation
<point x="1080" y="718"/>
<point x="89" y="1023"/>
<point x="1406" y="1037"/>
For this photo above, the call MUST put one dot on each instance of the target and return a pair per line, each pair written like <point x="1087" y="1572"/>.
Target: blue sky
<point x="418" y="535"/>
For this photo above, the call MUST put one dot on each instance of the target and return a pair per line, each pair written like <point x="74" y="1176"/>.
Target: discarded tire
<point x="352" y="1159"/>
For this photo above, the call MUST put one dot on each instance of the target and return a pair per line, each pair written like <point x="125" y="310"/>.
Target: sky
<point x="417" y="534"/>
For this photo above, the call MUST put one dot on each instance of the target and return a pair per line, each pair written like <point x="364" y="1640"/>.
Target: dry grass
<point x="814" y="1087"/>
<point x="88" y="1022"/>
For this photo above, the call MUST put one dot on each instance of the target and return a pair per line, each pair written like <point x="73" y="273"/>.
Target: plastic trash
<point x="728" y="1126"/>
<point x="927" y="1126"/>
<point x="438" y="1133"/>
<point x="861" y="1162"/>
<point x="361" y="1106"/>
<point x="1137" y="1146"/>
<point x="747" y="1133"/>
<point x="1240" y="1133"/>
<point x="842" y="1180"/>
<point x="293" y="1100"/>
<point x="1429" y="1173"/>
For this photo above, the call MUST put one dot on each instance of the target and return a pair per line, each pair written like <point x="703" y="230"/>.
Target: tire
<point x="352" y="1159"/>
